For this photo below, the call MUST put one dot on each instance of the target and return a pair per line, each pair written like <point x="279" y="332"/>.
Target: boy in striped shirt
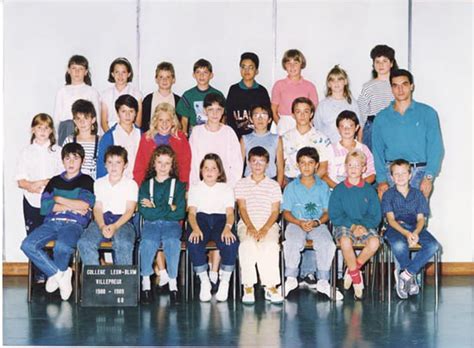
<point x="258" y="198"/>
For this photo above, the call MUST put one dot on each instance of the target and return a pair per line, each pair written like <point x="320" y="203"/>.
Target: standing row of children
<point x="165" y="164"/>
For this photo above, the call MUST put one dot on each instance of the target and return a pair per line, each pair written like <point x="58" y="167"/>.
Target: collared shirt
<point x="306" y="203"/>
<point x="286" y="90"/>
<point x="258" y="197"/>
<point x="337" y="158"/>
<point x="211" y="199"/>
<point x="38" y="162"/>
<point x="414" y="136"/>
<point x="130" y="142"/>
<point x="405" y="208"/>
<point x="114" y="197"/>
<point x="326" y="114"/>
<point x="111" y="94"/>
<point x="293" y="141"/>
<point x="242" y="85"/>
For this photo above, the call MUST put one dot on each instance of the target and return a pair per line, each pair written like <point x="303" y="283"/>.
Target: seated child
<point x="211" y="216"/>
<point x="245" y="94"/>
<point x="165" y="78"/>
<point x="347" y="125"/>
<point x="125" y="133"/>
<point x="258" y="198"/>
<point x="354" y="210"/>
<point x="261" y="117"/>
<point x="305" y="203"/>
<point x="190" y="106"/>
<point x="162" y="205"/>
<point x="66" y="204"/>
<point x="116" y="200"/>
<point x="406" y="209"/>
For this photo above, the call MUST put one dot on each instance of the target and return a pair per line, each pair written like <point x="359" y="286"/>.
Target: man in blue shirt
<point x="410" y="130"/>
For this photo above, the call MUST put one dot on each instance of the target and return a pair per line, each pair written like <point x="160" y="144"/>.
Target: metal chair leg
<point x="436" y="270"/>
<point x="282" y="271"/>
<point x="334" y="277"/>
<point x="30" y="281"/>
<point x="389" y="275"/>
<point x="76" y="276"/>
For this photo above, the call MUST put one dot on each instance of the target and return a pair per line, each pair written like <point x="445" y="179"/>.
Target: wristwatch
<point x="429" y="177"/>
<point x="318" y="221"/>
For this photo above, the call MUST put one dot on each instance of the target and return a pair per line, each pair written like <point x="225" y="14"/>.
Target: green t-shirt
<point x="191" y="105"/>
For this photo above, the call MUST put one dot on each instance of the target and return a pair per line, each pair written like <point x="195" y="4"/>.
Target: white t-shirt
<point x="67" y="95"/>
<point x="114" y="198"/>
<point x="130" y="142"/>
<point x="38" y="162"/>
<point x="110" y="95"/>
<point x="211" y="199"/>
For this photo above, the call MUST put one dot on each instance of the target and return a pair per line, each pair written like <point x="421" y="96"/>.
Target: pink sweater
<point x="285" y="91"/>
<point x="224" y="143"/>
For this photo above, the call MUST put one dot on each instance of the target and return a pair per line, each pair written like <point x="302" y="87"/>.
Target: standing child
<point x="376" y="94"/>
<point x="245" y="94"/>
<point x="259" y="198"/>
<point x="347" y="124"/>
<point x="125" y="133"/>
<point x="338" y="98"/>
<point x="354" y="210"/>
<point x="286" y="90"/>
<point x="190" y="106"/>
<point x="211" y="216"/>
<point x="163" y="130"/>
<point x="406" y="209"/>
<point x="261" y="117"/>
<point x="165" y="78"/>
<point x="78" y="86"/>
<point x="120" y="74"/>
<point x="37" y="164"/>
<point x="116" y="200"/>
<point x="162" y="205"/>
<point x="66" y="203"/>
<point x="85" y="133"/>
<point x="215" y="137"/>
<point x="305" y="208"/>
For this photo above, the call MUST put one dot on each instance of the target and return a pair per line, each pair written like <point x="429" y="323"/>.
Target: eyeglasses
<point x="248" y="67"/>
<point x="258" y="161"/>
<point x="260" y="115"/>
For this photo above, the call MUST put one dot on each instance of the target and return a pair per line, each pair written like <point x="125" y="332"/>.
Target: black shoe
<point x="175" y="296"/>
<point x="146" y="297"/>
<point x="308" y="282"/>
<point x="214" y="287"/>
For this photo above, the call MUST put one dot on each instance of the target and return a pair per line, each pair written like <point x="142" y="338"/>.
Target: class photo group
<point x="257" y="174"/>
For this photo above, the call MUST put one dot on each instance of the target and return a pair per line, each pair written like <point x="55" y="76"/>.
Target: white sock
<point x="323" y="282"/>
<point x="213" y="276"/>
<point x="164" y="278"/>
<point x="225" y="276"/>
<point x="146" y="285"/>
<point x="203" y="277"/>
<point x="172" y="284"/>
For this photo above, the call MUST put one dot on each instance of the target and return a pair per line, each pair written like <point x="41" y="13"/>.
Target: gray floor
<point x="305" y="319"/>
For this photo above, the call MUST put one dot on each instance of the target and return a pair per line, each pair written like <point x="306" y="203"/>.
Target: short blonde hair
<point x="357" y="154"/>
<point x="293" y="54"/>
<point x="170" y="110"/>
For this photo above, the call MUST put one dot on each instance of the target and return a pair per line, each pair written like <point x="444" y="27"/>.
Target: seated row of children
<point x="375" y="95"/>
<point x="68" y="199"/>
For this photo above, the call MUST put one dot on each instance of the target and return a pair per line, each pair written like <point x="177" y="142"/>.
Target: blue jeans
<point x="212" y="226"/>
<point x="122" y="244"/>
<point x="308" y="263"/>
<point x="399" y="245"/>
<point x="417" y="175"/>
<point x="66" y="235"/>
<point x="323" y="245"/>
<point x="160" y="233"/>
<point x="367" y="134"/>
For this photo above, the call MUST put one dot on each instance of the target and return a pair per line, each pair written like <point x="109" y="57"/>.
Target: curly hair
<point x="162" y="150"/>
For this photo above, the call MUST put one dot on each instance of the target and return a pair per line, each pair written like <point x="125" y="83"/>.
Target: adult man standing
<point x="409" y="130"/>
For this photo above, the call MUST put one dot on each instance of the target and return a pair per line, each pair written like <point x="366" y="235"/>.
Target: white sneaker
<point x="223" y="291"/>
<point x="324" y="288"/>
<point x="291" y="283"/>
<point x="347" y="280"/>
<point x="205" y="292"/>
<point x="65" y="285"/>
<point x="52" y="283"/>
<point x="273" y="295"/>
<point x="164" y="278"/>
<point x="249" y="295"/>
<point x="358" y="290"/>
